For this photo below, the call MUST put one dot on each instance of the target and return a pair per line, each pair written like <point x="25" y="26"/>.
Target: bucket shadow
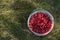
<point x="22" y="10"/>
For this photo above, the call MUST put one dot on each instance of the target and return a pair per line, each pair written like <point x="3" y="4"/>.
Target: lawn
<point x="14" y="15"/>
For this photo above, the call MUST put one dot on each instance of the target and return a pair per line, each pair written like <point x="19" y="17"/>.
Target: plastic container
<point x="43" y="25"/>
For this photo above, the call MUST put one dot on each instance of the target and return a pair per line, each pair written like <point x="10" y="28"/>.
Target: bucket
<point x="40" y="22"/>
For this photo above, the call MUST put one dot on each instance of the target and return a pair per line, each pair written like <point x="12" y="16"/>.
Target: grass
<point x="14" y="15"/>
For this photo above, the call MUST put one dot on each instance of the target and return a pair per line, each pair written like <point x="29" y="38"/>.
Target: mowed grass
<point x="14" y="15"/>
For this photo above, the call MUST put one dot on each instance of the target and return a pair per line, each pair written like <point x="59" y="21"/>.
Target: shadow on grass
<point x="22" y="10"/>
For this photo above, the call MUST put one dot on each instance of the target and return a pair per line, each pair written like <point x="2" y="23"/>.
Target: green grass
<point x="14" y="15"/>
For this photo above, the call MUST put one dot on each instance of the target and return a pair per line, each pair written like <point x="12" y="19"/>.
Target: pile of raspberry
<point x="40" y="22"/>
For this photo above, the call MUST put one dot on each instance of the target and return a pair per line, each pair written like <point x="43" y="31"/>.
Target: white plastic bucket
<point x="34" y="12"/>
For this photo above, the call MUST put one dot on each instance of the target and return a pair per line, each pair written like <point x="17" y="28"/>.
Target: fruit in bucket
<point x="40" y="22"/>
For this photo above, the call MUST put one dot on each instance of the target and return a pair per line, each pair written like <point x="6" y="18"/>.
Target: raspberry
<point x="40" y="23"/>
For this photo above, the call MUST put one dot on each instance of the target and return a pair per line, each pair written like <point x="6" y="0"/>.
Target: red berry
<point x="40" y="23"/>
